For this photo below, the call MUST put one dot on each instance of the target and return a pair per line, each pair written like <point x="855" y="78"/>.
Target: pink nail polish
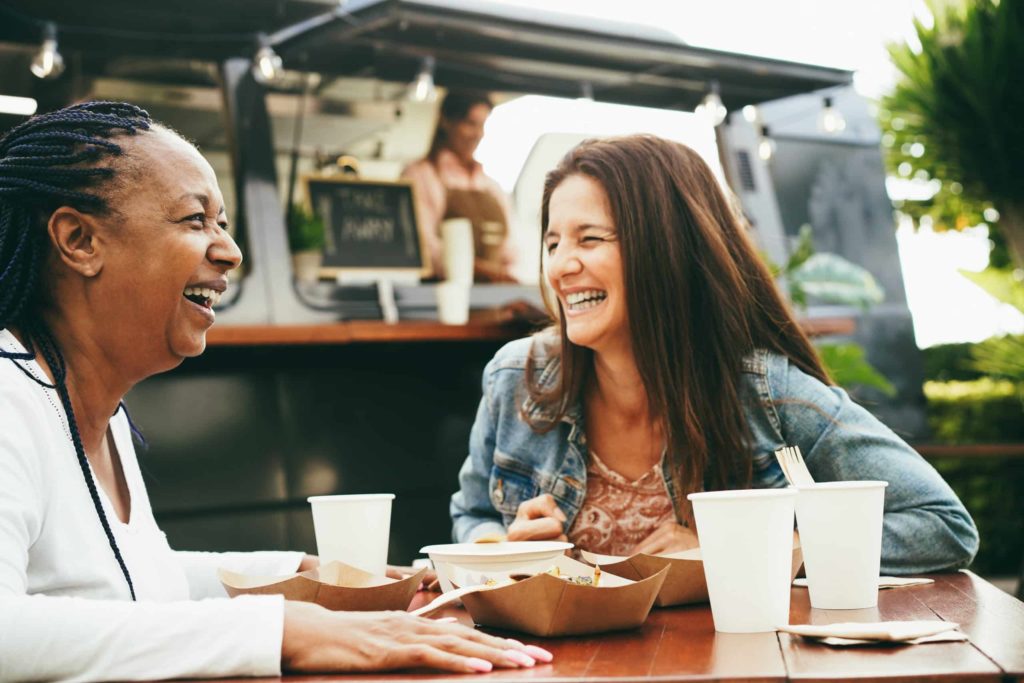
<point x="520" y="657"/>
<point x="539" y="653"/>
<point x="479" y="665"/>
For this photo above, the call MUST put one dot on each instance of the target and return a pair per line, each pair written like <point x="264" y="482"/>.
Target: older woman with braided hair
<point x="113" y="251"/>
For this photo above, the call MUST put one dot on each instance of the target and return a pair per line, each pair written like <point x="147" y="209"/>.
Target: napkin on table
<point x="896" y="632"/>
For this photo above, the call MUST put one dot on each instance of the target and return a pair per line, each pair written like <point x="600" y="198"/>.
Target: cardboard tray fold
<point x="685" y="583"/>
<point x="547" y="606"/>
<point x="335" y="585"/>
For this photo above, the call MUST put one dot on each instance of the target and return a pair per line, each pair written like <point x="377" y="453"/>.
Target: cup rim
<point x="741" y="494"/>
<point x="834" y="485"/>
<point x="351" y="498"/>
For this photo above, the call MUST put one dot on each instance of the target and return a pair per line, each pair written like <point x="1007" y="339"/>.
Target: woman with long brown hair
<point x="675" y="366"/>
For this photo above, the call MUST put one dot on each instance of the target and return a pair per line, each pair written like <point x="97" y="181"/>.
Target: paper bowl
<point x="335" y="585"/>
<point x="546" y="606"/>
<point x="464" y="564"/>
<point x="685" y="583"/>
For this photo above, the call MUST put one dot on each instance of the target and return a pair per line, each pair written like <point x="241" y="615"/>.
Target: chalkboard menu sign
<point x="369" y="226"/>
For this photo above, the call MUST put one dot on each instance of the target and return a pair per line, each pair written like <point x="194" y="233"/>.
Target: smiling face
<point x="165" y="253"/>
<point x="584" y="265"/>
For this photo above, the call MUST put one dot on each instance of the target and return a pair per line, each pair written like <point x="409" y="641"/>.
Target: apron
<point x="490" y="230"/>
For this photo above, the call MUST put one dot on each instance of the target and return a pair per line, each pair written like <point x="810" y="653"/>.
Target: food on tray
<point x="553" y="571"/>
<point x="491" y="538"/>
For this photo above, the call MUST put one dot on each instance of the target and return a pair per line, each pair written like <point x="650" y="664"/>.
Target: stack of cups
<point x="353" y="529"/>
<point x="457" y="255"/>
<point x="841" y="536"/>
<point x="746" y="544"/>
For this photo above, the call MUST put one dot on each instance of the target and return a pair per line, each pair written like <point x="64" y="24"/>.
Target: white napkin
<point x="883" y="582"/>
<point x="903" y="632"/>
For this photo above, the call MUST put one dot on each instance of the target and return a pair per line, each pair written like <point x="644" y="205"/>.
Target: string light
<point x="422" y="88"/>
<point x="751" y="114"/>
<point x="711" y="107"/>
<point x="830" y="120"/>
<point x="19" y="106"/>
<point x="267" y="64"/>
<point x="766" y="147"/>
<point x="48" y="62"/>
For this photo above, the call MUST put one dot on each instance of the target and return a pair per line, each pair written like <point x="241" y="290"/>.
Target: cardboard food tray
<point x="547" y="606"/>
<point x="335" y="585"/>
<point x="685" y="583"/>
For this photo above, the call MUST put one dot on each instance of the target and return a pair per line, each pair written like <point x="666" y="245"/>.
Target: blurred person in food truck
<point x="113" y="252"/>
<point x="450" y="183"/>
<point x="674" y="366"/>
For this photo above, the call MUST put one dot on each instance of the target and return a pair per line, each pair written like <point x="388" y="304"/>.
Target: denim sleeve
<point x="472" y="513"/>
<point x="925" y="528"/>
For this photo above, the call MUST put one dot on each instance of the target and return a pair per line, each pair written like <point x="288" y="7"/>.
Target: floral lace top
<point x="617" y="514"/>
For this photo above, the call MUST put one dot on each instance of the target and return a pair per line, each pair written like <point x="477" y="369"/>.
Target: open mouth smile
<point x="585" y="300"/>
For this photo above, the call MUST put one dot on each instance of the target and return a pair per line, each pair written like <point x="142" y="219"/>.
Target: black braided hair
<point x="47" y="162"/>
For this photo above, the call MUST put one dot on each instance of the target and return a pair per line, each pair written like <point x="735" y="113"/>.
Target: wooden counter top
<point x="483" y="328"/>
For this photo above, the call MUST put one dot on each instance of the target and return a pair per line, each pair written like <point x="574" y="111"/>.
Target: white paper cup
<point x="453" y="302"/>
<point x="353" y="529"/>
<point x="746" y="544"/>
<point x="457" y="249"/>
<point x="840" y="527"/>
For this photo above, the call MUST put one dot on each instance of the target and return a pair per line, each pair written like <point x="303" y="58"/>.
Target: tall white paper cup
<point x="457" y="249"/>
<point x="840" y="527"/>
<point x="453" y="302"/>
<point x="353" y="529"/>
<point x="746" y="544"/>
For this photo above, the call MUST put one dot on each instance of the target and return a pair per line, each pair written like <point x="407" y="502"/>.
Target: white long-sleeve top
<point x="65" y="608"/>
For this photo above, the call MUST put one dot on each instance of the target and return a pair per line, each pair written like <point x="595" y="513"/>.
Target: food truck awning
<point x="475" y="44"/>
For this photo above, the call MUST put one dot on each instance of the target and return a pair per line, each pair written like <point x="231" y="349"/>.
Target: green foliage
<point x="827" y="278"/>
<point x="1001" y="283"/>
<point x="832" y="279"/>
<point x="945" y="362"/>
<point x="849" y="367"/>
<point x="990" y="490"/>
<point x="1000" y="357"/>
<point x="954" y="115"/>
<point x="982" y="410"/>
<point x="305" y="230"/>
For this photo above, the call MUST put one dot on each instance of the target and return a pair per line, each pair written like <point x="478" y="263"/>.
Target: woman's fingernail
<point x="520" y="657"/>
<point x="539" y="653"/>
<point x="515" y="642"/>
<point x="479" y="665"/>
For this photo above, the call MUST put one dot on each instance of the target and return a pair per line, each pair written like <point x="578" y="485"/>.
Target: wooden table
<point x="680" y="644"/>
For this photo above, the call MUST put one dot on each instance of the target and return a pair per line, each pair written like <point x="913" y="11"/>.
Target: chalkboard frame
<point x="378" y="271"/>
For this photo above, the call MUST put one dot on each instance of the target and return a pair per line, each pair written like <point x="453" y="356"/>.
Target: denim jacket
<point x="925" y="528"/>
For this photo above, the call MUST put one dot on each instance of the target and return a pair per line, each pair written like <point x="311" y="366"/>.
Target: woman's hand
<point x="538" y="519"/>
<point x="317" y="639"/>
<point x="668" y="538"/>
<point x="308" y="562"/>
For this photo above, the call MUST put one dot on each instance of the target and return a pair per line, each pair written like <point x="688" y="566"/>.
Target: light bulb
<point x="751" y="114"/>
<point x="266" y="65"/>
<point x="48" y="62"/>
<point x="766" y="147"/>
<point x="830" y="120"/>
<point x="711" y="107"/>
<point x="422" y="89"/>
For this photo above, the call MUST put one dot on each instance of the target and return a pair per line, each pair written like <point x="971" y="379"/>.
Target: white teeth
<point x="211" y="294"/>
<point x="586" y="299"/>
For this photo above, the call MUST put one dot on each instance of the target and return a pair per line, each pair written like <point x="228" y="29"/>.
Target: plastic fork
<point x="791" y="460"/>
